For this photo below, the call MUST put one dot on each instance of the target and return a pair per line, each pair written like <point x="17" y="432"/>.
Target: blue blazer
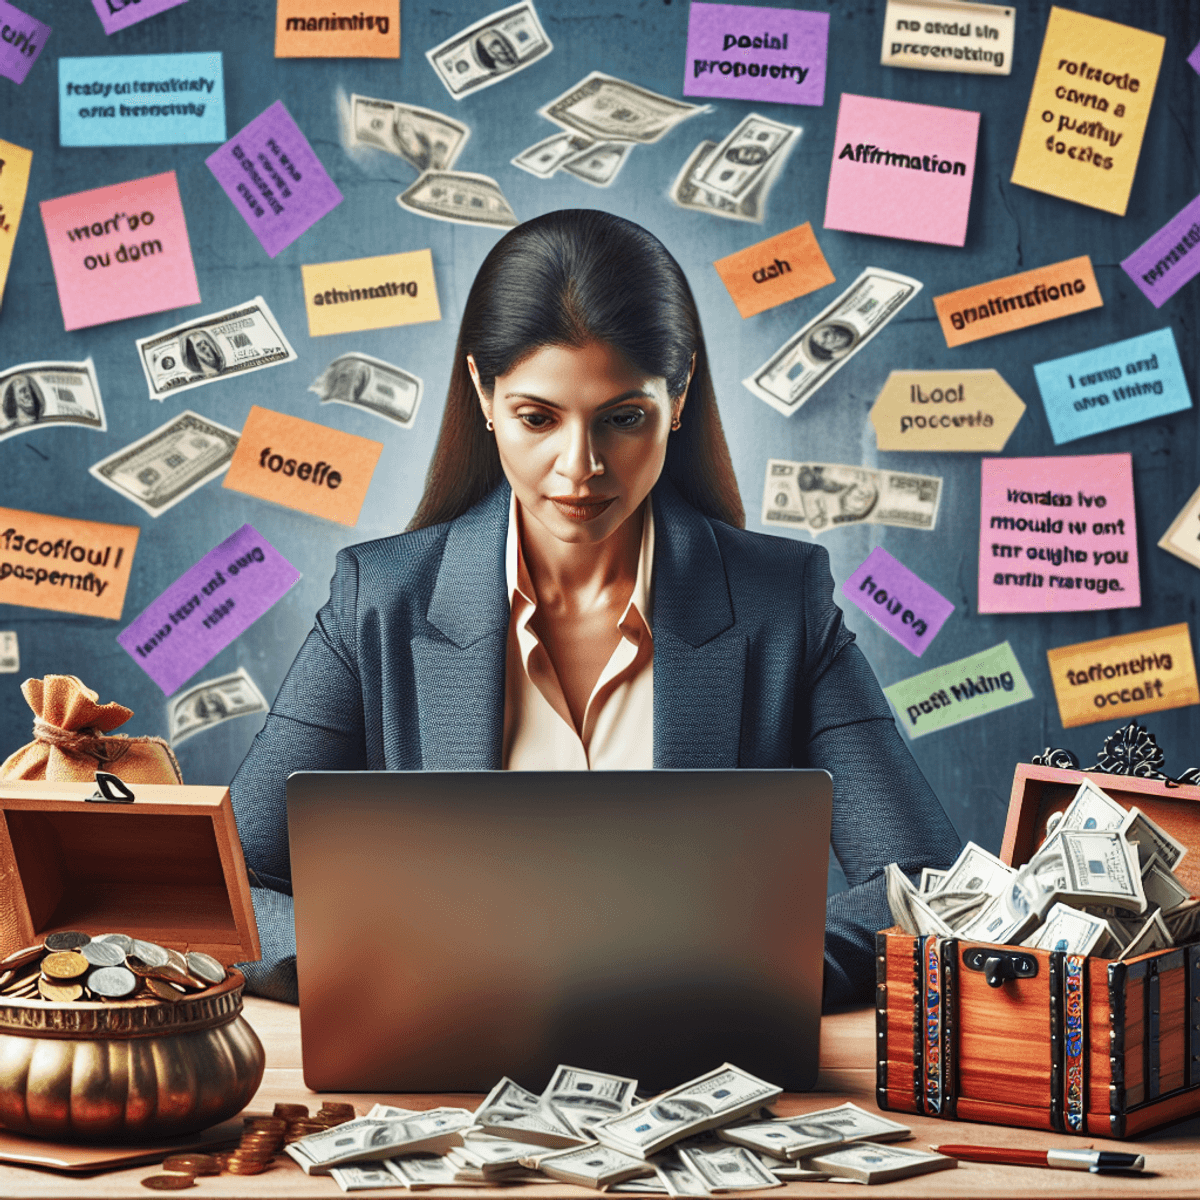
<point x="753" y="667"/>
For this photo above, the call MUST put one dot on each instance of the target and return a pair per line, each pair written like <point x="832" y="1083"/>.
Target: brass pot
<point x="128" y="1072"/>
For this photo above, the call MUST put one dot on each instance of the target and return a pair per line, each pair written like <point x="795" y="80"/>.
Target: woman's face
<point x="582" y="436"/>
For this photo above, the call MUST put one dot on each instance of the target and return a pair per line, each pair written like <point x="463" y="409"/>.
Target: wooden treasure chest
<point x="1046" y="1039"/>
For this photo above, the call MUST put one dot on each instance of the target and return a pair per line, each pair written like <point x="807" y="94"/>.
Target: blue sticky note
<point x="1114" y="385"/>
<point x="141" y="100"/>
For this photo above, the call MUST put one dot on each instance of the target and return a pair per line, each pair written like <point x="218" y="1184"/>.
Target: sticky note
<point x="314" y="29"/>
<point x="960" y="691"/>
<point x="749" y="53"/>
<point x="1114" y="385"/>
<point x="1183" y="536"/>
<point x="1194" y="58"/>
<point x="302" y="465"/>
<point x="902" y="170"/>
<point x="141" y="100"/>
<point x="63" y="564"/>
<point x="120" y="251"/>
<point x="21" y="40"/>
<point x="947" y="35"/>
<point x="945" y="410"/>
<point x="1017" y="301"/>
<point x="207" y="607"/>
<point x="1167" y="260"/>
<point x="15" y="163"/>
<point x="1088" y="110"/>
<point x="116" y="15"/>
<point x="1117" y="678"/>
<point x="274" y="179"/>
<point x="370" y="293"/>
<point x="775" y="271"/>
<point x="897" y="600"/>
<point x="1057" y="534"/>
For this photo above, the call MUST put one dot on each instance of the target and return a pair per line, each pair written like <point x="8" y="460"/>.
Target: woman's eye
<point x="627" y="418"/>
<point x="534" y="420"/>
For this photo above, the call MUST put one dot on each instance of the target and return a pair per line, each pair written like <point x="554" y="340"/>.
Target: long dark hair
<point x="566" y="279"/>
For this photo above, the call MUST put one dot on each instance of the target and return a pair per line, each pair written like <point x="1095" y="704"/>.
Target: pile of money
<point x="1101" y="883"/>
<point x="715" y="1133"/>
<point x="110" y="967"/>
<point x="733" y="178"/>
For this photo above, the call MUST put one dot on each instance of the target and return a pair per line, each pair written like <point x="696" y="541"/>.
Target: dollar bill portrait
<point x="582" y="448"/>
<point x="23" y="402"/>
<point x="202" y="355"/>
<point x="831" y="341"/>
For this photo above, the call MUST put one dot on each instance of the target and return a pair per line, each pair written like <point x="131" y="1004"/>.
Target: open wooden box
<point x="1074" y="1044"/>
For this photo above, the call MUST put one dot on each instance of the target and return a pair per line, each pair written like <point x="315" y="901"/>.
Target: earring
<point x="490" y="425"/>
<point x="675" y="423"/>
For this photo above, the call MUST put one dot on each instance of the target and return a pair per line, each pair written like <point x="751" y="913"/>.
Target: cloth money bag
<point x="69" y="742"/>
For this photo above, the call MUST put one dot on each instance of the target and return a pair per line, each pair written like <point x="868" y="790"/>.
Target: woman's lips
<point x="585" y="508"/>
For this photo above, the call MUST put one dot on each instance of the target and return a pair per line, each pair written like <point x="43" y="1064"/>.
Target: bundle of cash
<point x="1102" y="882"/>
<point x="39" y="395"/>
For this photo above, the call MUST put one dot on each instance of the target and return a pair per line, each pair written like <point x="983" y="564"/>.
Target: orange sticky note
<point x="63" y="564"/>
<point x="314" y="29"/>
<point x="1018" y="300"/>
<point x="370" y="293"/>
<point x="775" y="271"/>
<point x="302" y="465"/>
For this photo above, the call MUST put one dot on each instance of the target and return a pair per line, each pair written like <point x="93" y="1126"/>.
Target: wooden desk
<point x="847" y="1073"/>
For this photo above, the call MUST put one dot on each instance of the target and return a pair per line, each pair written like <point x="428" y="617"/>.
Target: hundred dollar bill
<point x="608" y="109"/>
<point x="491" y="50"/>
<point x="39" y="395"/>
<point x="857" y="1125"/>
<point x="422" y="1172"/>
<point x="167" y="465"/>
<point x="460" y="197"/>
<point x="543" y="158"/>
<point x="1153" y="935"/>
<point x="812" y="356"/>
<point x="428" y="140"/>
<point x="1090" y="808"/>
<point x="794" y="1174"/>
<point x="1152" y="840"/>
<point x="364" y="1178"/>
<point x="1183" y="923"/>
<point x="224" y="344"/>
<point x="909" y="908"/>
<point x="726" y="1168"/>
<point x="824" y="496"/>
<point x="784" y="1138"/>
<point x="1161" y="888"/>
<point x="1100" y="868"/>
<point x="641" y="1187"/>
<point x="211" y="703"/>
<point x="367" y="1139"/>
<point x="879" y="1164"/>
<point x="492" y="1155"/>
<point x="372" y="385"/>
<point x="510" y="1111"/>
<point x="592" y="1166"/>
<point x="10" y="655"/>
<point x="712" y="1099"/>
<point x="931" y="880"/>
<point x="977" y="870"/>
<point x="600" y="164"/>
<point x="677" y="1177"/>
<point x="1071" y="931"/>
<point x="585" y="1098"/>
<point x="756" y="147"/>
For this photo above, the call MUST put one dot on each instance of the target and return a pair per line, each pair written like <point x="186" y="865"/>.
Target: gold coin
<point x="265" y="1123"/>
<point x="59" y="992"/>
<point x="65" y="964"/>
<point x="244" y="1167"/>
<point x="169" y="1183"/>
<point x="192" y="1164"/>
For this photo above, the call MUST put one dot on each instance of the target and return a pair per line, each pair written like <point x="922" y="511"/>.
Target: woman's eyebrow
<point x="632" y="394"/>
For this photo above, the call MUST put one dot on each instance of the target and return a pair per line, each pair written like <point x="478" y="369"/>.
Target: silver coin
<point x="150" y="953"/>
<point x="204" y="966"/>
<point x="67" y="939"/>
<point x="121" y="939"/>
<point x="113" y="983"/>
<point x="103" y="954"/>
<point x="176" y="960"/>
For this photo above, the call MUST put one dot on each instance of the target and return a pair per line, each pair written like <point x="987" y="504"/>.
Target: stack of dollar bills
<point x="713" y="1134"/>
<point x="1102" y="882"/>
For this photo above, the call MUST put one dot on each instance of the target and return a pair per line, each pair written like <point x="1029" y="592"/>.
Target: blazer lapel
<point x="460" y="675"/>
<point x="699" y="654"/>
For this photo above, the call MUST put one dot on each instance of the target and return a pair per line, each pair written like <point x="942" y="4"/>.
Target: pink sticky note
<point x="898" y="601"/>
<point x="1057" y="534"/>
<point x="116" y="15"/>
<point x="120" y="251"/>
<point x="902" y="170"/>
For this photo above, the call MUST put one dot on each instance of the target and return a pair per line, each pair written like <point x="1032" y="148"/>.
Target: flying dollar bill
<point x="167" y="465"/>
<point x="40" y="395"/>
<point x="367" y="1139"/>
<point x="211" y="703"/>
<point x="600" y="164"/>
<point x="757" y="146"/>
<point x="607" y="109"/>
<point x="460" y="197"/>
<point x="428" y="140"/>
<point x="824" y="496"/>
<point x="224" y="344"/>
<point x="491" y="50"/>
<point x="813" y="355"/>
<point x="544" y="158"/>
<point x="372" y="385"/>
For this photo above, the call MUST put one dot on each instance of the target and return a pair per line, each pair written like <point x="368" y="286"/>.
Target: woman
<point x="576" y="590"/>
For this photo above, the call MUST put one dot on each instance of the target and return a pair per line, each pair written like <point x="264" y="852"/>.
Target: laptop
<point x="456" y="927"/>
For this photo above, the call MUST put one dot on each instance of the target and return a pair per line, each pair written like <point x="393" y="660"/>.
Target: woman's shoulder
<point x="385" y="567"/>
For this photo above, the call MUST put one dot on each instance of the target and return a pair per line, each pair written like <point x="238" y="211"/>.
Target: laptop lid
<point x="455" y="927"/>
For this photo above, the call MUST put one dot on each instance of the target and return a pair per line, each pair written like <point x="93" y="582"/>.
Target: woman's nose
<point x="578" y="461"/>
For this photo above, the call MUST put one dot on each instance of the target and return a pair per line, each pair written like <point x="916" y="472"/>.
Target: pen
<point x="1099" y="1162"/>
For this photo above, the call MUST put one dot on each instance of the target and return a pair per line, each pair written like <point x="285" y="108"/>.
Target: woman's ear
<point x="485" y="402"/>
<point x="679" y="401"/>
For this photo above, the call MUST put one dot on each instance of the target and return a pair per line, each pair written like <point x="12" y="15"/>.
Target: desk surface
<point x="847" y="1073"/>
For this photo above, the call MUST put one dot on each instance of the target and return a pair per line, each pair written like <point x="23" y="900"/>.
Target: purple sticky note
<point x="1170" y="258"/>
<point x="207" y="607"/>
<point x="116" y="15"/>
<point x="1194" y="59"/>
<point x="902" y="603"/>
<point x="21" y="41"/>
<point x="274" y="179"/>
<point x="775" y="55"/>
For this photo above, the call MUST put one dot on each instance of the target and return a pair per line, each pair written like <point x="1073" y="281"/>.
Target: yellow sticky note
<point x="1088" y="110"/>
<point x="314" y="29"/>
<point x="1116" y="678"/>
<point x="946" y="410"/>
<point x="15" y="162"/>
<point x="370" y="293"/>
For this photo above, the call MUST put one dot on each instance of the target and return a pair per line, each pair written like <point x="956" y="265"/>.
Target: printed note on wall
<point x="948" y="35"/>
<point x="945" y="410"/>
<point x="314" y="29"/>
<point x="774" y="271"/>
<point x="116" y="15"/>
<point x="22" y="37"/>
<point x="898" y="600"/>
<point x="370" y="293"/>
<point x="15" y="163"/>
<point x="1168" y="259"/>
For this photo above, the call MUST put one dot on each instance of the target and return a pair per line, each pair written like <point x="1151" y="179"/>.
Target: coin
<point x="113" y="983"/>
<point x="205" y="967"/>
<point x="61" y="993"/>
<point x="103" y="954"/>
<point x="64" y="965"/>
<point x="162" y="989"/>
<point x="242" y="1166"/>
<point x="121" y="939"/>
<point x="192" y="1164"/>
<point x="67" y="939"/>
<point x="22" y="958"/>
<point x="150" y="953"/>
<point x="169" y="1183"/>
<point x="291" y="1112"/>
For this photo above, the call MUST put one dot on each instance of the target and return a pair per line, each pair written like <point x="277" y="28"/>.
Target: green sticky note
<point x="959" y="691"/>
